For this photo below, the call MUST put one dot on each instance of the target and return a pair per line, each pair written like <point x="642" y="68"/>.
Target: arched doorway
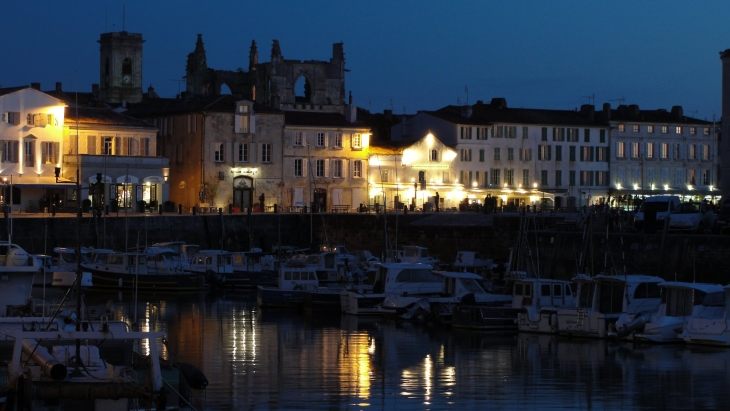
<point x="242" y="192"/>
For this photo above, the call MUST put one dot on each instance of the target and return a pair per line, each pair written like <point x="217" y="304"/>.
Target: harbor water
<point x="283" y="360"/>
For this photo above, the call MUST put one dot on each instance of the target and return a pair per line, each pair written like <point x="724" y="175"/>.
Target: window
<point x="298" y="138"/>
<point x="192" y="123"/>
<point x="649" y="129"/>
<point x="337" y="140"/>
<point x="509" y="176"/>
<point x="601" y="178"/>
<point x="635" y="150"/>
<point x="465" y="133"/>
<point x="621" y="128"/>
<point x="357" y="168"/>
<point x="706" y="177"/>
<point x="693" y="130"/>
<point x="665" y="129"/>
<point x="481" y="155"/>
<point x="337" y="168"/>
<point x="11" y="117"/>
<point x="320" y="169"/>
<point x="586" y="153"/>
<point x="601" y="153"/>
<point x="692" y="177"/>
<point x="357" y="141"/>
<point x="544" y="134"/>
<point x="705" y="151"/>
<point x="481" y="133"/>
<point x="677" y="149"/>
<point x="636" y="128"/>
<point x="298" y="167"/>
<point x="244" y="122"/>
<point x="621" y="150"/>
<point x="587" y="135"/>
<point x="571" y="153"/>
<point x="528" y="154"/>
<point x="434" y="155"/>
<point x="384" y="176"/>
<point x="586" y="178"/>
<point x="544" y="178"/>
<point x="145" y="147"/>
<point x="219" y="154"/>
<point x="558" y="134"/>
<point x="571" y="178"/>
<point x="107" y="148"/>
<point x="558" y="153"/>
<point x="525" y="177"/>
<point x="691" y="154"/>
<point x="524" y="133"/>
<point x="650" y="150"/>
<point x="29" y="148"/>
<point x="543" y="152"/>
<point x="495" y="176"/>
<point x="91" y="145"/>
<point x="664" y="150"/>
<point x="242" y="153"/>
<point x="602" y="136"/>
<point x="496" y="153"/>
<point x="49" y="152"/>
<point x="558" y="178"/>
<point x="510" y="153"/>
<point x="678" y="130"/>
<point x="679" y="177"/>
<point x="321" y="139"/>
<point x="465" y="154"/>
<point x="265" y="153"/>
<point x="705" y="131"/>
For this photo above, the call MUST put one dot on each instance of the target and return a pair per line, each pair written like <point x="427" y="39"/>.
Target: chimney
<point x="59" y="88"/>
<point x="634" y="110"/>
<point x="36" y="86"/>
<point x="588" y="111"/>
<point x="677" y="112"/>
<point x="350" y="111"/>
<point x="606" y="111"/>
<point x="499" y="102"/>
<point x="95" y="90"/>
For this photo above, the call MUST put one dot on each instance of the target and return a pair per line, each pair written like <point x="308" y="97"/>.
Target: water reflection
<point x="283" y="360"/>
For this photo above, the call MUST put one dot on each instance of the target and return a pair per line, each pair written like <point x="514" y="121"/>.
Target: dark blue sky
<point x="412" y="55"/>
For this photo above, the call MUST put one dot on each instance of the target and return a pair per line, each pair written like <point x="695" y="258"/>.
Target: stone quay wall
<point x="558" y="245"/>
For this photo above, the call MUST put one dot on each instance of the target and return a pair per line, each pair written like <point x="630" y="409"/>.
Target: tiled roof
<point x="308" y="118"/>
<point x="8" y="90"/>
<point x="390" y="147"/>
<point x="488" y="114"/>
<point x="103" y="116"/>
<point x="166" y="106"/>
<point x="632" y="114"/>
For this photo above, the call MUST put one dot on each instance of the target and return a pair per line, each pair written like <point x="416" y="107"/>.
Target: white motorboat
<point x="710" y="331"/>
<point x="292" y="284"/>
<point x="681" y="302"/>
<point x="538" y="300"/>
<point x="17" y="272"/>
<point x="603" y="298"/>
<point x="457" y="288"/>
<point x="389" y="279"/>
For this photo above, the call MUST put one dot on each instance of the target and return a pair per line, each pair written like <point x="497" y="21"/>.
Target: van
<point x="661" y="205"/>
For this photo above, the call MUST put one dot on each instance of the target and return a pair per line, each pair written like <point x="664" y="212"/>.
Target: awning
<point x="127" y="179"/>
<point x="105" y="179"/>
<point x="40" y="182"/>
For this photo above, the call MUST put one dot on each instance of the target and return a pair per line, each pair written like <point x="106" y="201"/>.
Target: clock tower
<point x="120" y="67"/>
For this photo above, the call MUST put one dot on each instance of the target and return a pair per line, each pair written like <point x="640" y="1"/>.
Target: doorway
<point x="320" y="200"/>
<point x="242" y="193"/>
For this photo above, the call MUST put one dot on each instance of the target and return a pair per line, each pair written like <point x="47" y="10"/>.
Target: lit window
<point x="357" y="168"/>
<point x="357" y="140"/>
<point x="621" y="128"/>
<point x="636" y="128"/>
<point x="219" y="153"/>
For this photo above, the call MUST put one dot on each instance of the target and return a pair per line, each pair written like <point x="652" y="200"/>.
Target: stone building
<point x="120" y="67"/>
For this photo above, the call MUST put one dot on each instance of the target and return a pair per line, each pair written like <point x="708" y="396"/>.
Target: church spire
<point x="253" y="56"/>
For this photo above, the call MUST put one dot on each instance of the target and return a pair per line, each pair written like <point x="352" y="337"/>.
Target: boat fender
<point x="192" y="374"/>
<point x="553" y="321"/>
<point x="635" y="325"/>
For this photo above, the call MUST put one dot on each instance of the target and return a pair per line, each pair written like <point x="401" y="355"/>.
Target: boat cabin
<point x="416" y="254"/>
<point x="538" y="292"/>
<point x="406" y="278"/>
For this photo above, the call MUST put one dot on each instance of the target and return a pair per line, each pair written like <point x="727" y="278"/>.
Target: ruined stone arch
<point x="307" y="87"/>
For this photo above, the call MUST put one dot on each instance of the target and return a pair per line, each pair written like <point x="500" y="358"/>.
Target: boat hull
<point x="107" y="280"/>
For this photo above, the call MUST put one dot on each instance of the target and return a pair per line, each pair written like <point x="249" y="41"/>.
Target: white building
<point x="520" y="156"/>
<point x="31" y="137"/>
<point x="662" y="152"/>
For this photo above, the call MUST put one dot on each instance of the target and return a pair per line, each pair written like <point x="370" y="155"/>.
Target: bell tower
<point x="120" y="67"/>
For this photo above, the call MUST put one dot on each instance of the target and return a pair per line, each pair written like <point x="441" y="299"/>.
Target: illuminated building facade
<point x="662" y="152"/>
<point x="521" y="157"/>
<point x="31" y="138"/>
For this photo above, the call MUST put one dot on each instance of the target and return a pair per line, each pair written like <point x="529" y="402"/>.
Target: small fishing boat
<point x="292" y="284"/>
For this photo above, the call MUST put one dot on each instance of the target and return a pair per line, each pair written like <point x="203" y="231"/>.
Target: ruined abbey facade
<point x="273" y="83"/>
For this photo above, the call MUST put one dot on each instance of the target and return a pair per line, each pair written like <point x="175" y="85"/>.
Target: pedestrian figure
<point x="437" y="201"/>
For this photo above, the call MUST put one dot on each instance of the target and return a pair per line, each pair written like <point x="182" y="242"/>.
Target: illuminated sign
<point x="250" y="171"/>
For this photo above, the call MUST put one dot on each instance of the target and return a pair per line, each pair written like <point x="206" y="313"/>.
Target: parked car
<point x="722" y="219"/>
<point x="661" y="206"/>
<point x="692" y="216"/>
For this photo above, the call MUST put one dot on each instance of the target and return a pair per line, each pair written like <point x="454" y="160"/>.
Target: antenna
<point x="620" y="100"/>
<point x="391" y="104"/>
<point x="466" y="89"/>
<point x="591" y="98"/>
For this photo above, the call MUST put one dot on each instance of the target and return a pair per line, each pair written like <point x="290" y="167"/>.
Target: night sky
<point x="404" y="55"/>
